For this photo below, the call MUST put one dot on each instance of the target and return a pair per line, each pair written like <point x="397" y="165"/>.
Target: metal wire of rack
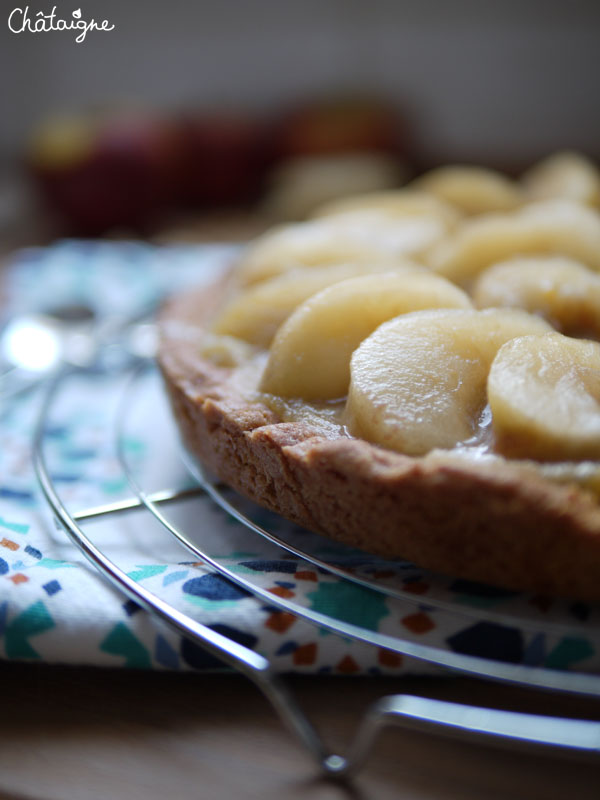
<point x="515" y="729"/>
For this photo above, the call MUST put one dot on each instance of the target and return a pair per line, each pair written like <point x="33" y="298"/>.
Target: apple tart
<point x="438" y="401"/>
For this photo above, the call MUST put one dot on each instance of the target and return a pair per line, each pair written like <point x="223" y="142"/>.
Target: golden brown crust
<point x="495" y="522"/>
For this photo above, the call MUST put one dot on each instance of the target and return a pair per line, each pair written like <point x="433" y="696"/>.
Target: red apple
<point x="98" y="174"/>
<point x="223" y="158"/>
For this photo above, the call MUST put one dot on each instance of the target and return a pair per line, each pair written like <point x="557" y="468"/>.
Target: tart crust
<point x="501" y="523"/>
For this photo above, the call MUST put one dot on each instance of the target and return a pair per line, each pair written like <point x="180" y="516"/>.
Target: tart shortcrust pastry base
<point x="500" y="523"/>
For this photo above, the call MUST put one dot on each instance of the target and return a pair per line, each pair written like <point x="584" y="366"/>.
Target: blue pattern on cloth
<point x="55" y="608"/>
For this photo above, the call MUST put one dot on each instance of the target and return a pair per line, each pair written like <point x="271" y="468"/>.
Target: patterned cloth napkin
<point x="55" y="607"/>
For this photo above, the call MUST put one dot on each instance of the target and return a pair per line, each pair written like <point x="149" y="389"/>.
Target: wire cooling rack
<point x="389" y="579"/>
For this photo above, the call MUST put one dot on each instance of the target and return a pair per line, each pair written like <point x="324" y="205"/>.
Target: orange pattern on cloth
<point x="281" y="591"/>
<point x="280" y="621"/>
<point x="347" y="666"/>
<point x="418" y="623"/>
<point x="306" y="654"/>
<point x="387" y="658"/>
<point x="306" y="575"/>
<point x="10" y="545"/>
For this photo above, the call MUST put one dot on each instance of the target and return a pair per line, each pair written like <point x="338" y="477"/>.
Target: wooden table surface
<point x="91" y="734"/>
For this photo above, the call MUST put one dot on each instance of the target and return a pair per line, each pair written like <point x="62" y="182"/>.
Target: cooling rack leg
<point x="297" y="722"/>
<point x="473" y="723"/>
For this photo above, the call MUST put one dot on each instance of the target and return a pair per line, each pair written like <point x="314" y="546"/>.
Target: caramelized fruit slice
<point x="473" y="190"/>
<point x="544" y="392"/>
<point x="563" y="291"/>
<point x="310" y="355"/>
<point x="256" y="313"/>
<point x="364" y="235"/>
<point x="567" y="175"/>
<point x="395" y="203"/>
<point x="553" y="227"/>
<point x="419" y="381"/>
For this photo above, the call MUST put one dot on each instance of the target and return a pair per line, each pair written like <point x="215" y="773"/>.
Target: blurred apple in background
<point x="101" y="173"/>
<point x="341" y="124"/>
<point x="223" y="158"/>
<point x="127" y="171"/>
